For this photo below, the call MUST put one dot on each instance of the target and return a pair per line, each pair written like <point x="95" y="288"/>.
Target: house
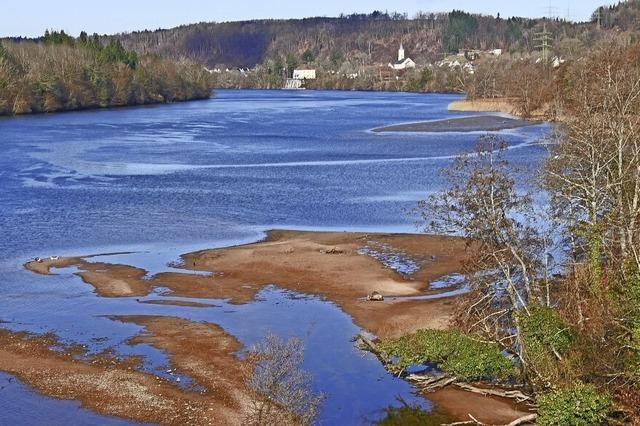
<point x="402" y="63"/>
<point x="556" y="61"/>
<point x="304" y="74"/>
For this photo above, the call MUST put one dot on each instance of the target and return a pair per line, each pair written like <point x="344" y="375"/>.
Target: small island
<point x="482" y="123"/>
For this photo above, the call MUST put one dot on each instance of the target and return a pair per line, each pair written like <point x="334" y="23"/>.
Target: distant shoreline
<point x="107" y="107"/>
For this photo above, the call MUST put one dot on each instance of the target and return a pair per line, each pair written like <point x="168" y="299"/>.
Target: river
<point x="162" y="180"/>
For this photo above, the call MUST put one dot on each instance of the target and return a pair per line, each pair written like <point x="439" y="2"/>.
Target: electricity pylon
<point x="544" y="43"/>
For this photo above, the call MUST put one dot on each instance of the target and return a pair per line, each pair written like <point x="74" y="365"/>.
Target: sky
<point x="30" y="18"/>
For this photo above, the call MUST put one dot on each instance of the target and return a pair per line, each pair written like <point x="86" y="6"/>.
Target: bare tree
<point x="594" y="170"/>
<point x="284" y="392"/>
<point x="507" y="251"/>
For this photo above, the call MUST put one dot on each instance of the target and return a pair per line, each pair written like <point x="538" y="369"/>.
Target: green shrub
<point x="545" y="335"/>
<point x="453" y="352"/>
<point x="577" y="405"/>
<point x="545" y="328"/>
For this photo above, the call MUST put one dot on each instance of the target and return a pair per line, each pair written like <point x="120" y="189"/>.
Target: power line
<point x="569" y="16"/>
<point x="551" y="11"/>
<point x="544" y="42"/>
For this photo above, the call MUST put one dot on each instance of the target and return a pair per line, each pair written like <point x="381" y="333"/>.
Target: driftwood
<point x="370" y="345"/>
<point x="431" y="383"/>
<point x="512" y="394"/>
<point x="528" y="419"/>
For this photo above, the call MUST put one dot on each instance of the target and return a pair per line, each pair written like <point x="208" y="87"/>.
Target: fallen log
<point x="431" y="383"/>
<point x="529" y="419"/>
<point x="511" y="394"/>
<point x="370" y="345"/>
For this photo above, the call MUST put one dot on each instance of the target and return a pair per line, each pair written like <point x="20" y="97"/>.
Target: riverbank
<point x="342" y="267"/>
<point x="126" y="79"/>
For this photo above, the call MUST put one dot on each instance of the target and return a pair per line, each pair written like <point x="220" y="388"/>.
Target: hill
<point x="359" y="38"/>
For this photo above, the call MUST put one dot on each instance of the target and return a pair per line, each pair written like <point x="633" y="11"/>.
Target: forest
<point x="61" y="73"/>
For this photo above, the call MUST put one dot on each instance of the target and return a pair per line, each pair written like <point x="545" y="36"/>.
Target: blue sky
<point x="32" y="17"/>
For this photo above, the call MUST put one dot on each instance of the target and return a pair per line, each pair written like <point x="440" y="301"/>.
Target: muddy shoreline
<point x="341" y="267"/>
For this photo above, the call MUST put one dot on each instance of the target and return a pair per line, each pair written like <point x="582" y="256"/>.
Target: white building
<point x="304" y="74"/>
<point x="402" y="63"/>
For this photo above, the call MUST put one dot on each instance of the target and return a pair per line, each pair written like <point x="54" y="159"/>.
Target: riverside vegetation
<point x="62" y="73"/>
<point x="556" y="308"/>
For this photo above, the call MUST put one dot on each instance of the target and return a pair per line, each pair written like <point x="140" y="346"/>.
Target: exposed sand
<point x="325" y="264"/>
<point x="483" y="123"/>
<point x="201" y="351"/>
<point x="489" y="410"/>
<point x="321" y="263"/>
<point x="116" y="388"/>
<point x="504" y="105"/>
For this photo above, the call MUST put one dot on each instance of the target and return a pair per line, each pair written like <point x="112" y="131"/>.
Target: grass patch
<point x="453" y="352"/>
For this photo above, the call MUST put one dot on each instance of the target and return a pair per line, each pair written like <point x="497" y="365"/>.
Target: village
<point x="398" y="72"/>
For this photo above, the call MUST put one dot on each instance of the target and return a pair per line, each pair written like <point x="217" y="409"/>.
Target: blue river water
<point x="163" y="180"/>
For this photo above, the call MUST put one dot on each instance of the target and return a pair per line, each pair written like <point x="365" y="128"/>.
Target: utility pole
<point x="544" y="43"/>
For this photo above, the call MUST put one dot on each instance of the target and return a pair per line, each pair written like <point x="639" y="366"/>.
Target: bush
<point x="453" y="352"/>
<point x="546" y="338"/>
<point x="544" y="327"/>
<point x="284" y="389"/>
<point x="577" y="405"/>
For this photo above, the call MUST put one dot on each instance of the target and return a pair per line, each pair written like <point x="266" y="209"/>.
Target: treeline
<point x="624" y="16"/>
<point x="61" y="73"/>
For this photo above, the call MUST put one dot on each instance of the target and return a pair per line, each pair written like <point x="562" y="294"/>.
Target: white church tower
<point x="403" y="62"/>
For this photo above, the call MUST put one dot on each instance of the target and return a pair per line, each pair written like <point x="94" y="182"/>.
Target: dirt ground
<point x="319" y="263"/>
<point x="116" y="388"/>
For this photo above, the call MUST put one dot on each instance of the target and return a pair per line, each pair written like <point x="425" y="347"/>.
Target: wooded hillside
<point x="361" y="38"/>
